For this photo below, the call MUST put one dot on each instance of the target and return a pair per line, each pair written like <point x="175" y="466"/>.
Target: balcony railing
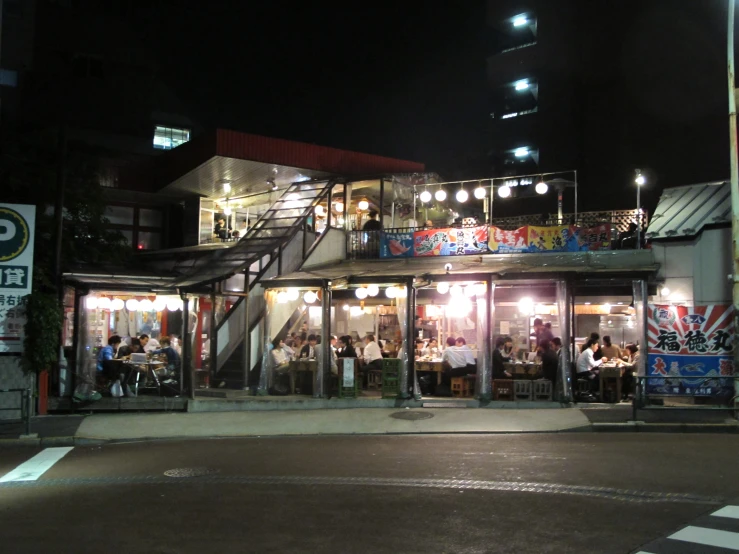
<point x="588" y="231"/>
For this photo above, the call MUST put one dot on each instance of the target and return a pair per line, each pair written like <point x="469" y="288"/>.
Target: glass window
<point x="150" y="218"/>
<point x="167" y="138"/>
<point x="149" y="240"/>
<point x="119" y="215"/>
<point x="128" y="235"/>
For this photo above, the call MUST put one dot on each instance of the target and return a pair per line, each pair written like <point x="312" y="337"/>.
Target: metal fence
<point x="618" y="219"/>
<point x="24" y="406"/>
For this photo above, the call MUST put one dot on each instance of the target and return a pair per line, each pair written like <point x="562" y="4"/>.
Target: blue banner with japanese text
<point x="692" y="348"/>
<point x="396" y="245"/>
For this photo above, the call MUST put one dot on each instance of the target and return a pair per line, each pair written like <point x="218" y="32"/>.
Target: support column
<point x="213" y="335"/>
<point x="187" y="371"/>
<point x="565" y="355"/>
<point x="265" y="377"/>
<point x="485" y="342"/>
<point x="407" y="371"/>
<point x="324" y="363"/>
<point x="246" y="360"/>
<point x="641" y="308"/>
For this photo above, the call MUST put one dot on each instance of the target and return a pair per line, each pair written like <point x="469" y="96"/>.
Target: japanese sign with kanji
<point x="455" y="241"/>
<point x="396" y="245"/>
<point x="17" y="226"/>
<point x="692" y="348"/>
<point x="506" y="242"/>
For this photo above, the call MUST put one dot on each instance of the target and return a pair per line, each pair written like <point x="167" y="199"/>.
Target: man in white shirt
<point x="372" y="354"/>
<point x="149" y="344"/>
<point x="587" y="364"/>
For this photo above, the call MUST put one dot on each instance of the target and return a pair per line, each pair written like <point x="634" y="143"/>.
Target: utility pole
<point x="734" y="182"/>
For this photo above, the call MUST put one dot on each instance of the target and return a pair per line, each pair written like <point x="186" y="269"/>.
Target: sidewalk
<point x="65" y="430"/>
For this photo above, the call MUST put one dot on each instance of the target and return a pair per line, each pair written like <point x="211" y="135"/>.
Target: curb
<point x="642" y="427"/>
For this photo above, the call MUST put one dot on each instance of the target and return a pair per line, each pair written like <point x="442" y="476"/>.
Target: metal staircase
<point x="267" y="250"/>
<point x="278" y="226"/>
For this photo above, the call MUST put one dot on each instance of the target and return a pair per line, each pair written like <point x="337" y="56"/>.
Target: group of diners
<point x="143" y="347"/>
<point x="593" y="356"/>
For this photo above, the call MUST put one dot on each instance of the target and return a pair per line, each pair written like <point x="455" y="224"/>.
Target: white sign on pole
<point x="348" y="372"/>
<point x="17" y="228"/>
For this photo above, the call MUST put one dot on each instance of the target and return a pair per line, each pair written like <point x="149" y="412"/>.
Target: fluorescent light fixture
<point x="509" y="115"/>
<point x="521" y="152"/>
<point x="226" y="187"/>
<point x="523" y="84"/>
<point x="520" y="20"/>
<point x="665" y="291"/>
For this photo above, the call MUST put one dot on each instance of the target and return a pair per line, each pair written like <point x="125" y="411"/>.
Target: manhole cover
<point x="412" y="416"/>
<point x="190" y="472"/>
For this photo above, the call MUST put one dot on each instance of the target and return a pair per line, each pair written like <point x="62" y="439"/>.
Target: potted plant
<point x="44" y="318"/>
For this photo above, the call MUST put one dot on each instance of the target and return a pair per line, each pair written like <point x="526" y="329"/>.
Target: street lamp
<point x="640" y="180"/>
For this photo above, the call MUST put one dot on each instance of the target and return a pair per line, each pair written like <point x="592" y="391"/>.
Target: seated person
<point x="432" y="349"/>
<point x="469" y="356"/>
<point x="587" y="365"/>
<point x="148" y="344"/>
<point x="631" y="367"/>
<point x="308" y="351"/>
<point x="420" y="347"/>
<point x="346" y="350"/>
<point x="173" y="358"/>
<point x="125" y="351"/>
<point x="280" y="359"/>
<point x="118" y="373"/>
<point x="454" y="360"/>
<point x="502" y="354"/>
<point x="372" y="355"/>
<point x="549" y="360"/>
<point x="611" y="351"/>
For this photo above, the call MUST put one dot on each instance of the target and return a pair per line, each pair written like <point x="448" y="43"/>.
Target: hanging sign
<point x="396" y="245"/>
<point x="348" y="372"/>
<point x="17" y="228"/>
<point x="429" y="242"/>
<point x="692" y="348"/>
<point x="508" y="242"/>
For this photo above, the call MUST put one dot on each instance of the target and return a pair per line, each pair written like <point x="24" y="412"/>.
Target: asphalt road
<point x="594" y="493"/>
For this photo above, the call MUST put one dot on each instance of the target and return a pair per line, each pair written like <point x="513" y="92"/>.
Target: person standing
<point x="372" y="224"/>
<point x="541" y="332"/>
<point x="549" y="361"/>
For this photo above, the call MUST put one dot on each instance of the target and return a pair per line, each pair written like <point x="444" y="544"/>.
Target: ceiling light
<point x="425" y="196"/>
<point x="319" y="210"/>
<point x="91" y="302"/>
<point x="132" y="304"/>
<point x="391" y="292"/>
<point x="541" y="187"/>
<point x="310" y="297"/>
<point x="504" y="191"/>
<point x="293" y="294"/>
<point x="227" y="210"/>
<point x="146" y="305"/>
<point x="470" y="291"/>
<point x="117" y="304"/>
<point x="456" y="291"/>
<point x="272" y="183"/>
<point x="373" y="290"/>
<point x="345" y="307"/>
<point x="520" y="21"/>
<point x="361" y="293"/>
<point x="173" y="304"/>
<point x="282" y="297"/>
<point x="226" y="187"/>
<point x="480" y="192"/>
<point x="665" y="291"/>
<point x="160" y="303"/>
<point x="522" y="84"/>
<point x="440" y="195"/>
<point x="442" y="288"/>
<point x="339" y="207"/>
<point x="607" y="307"/>
<point x="363" y="204"/>
<point x="521" y="152"/>
<point x="462" y="195"/>
<point x="526" y="305"/>
<point x="402" y="292"/>
<point x="104" y="303"/>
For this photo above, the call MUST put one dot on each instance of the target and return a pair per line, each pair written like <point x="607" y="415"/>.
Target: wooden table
<point x="433" y="365"/>
<point x="528" y="370"/>
<point x="300" y="365"/>
<point x="610" y="371"/>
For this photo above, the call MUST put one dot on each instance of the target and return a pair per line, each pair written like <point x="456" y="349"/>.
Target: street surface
<point x="567" y="492"/>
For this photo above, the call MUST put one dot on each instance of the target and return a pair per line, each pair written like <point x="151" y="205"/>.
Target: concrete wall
<point x="12" y="377"/>
<point x="696" y="270"/>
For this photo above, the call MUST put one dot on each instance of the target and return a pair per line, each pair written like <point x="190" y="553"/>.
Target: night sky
<point x="407" y="79"/>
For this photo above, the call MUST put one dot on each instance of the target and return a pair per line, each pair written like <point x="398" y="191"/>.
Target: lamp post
<point x="639" y="179"/>
<point x="734" y="166"/>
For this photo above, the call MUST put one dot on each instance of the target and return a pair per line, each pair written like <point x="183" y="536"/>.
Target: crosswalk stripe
<point x="727" y="511"/>
<point x="32" y="469"/>
<point x="709" y="537"/>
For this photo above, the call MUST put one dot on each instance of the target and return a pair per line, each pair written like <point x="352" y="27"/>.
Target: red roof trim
<point x="232" y="144"/>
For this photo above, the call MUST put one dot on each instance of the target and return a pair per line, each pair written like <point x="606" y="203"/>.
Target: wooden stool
<point x="543" y="390"/>
<point x="522" y="390"/>
<point x="374" y="379"/>
<point x="461" y="387"/>
<point x="502" y="389"/>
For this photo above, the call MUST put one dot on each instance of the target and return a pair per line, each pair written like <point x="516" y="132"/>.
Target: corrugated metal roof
<point x="684" y="211"/>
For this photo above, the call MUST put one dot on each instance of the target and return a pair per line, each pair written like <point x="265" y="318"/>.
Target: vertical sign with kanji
<point x="692" y="348"/>
<point x="17" y="226"/>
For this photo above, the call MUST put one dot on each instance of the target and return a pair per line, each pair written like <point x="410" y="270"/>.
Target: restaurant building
<point x="275" y="244"/>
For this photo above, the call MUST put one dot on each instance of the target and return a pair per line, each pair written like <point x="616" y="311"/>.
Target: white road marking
<point x="709" y="537"/>
<point x="727" y="511"/>
<point x="34" y="468"/>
